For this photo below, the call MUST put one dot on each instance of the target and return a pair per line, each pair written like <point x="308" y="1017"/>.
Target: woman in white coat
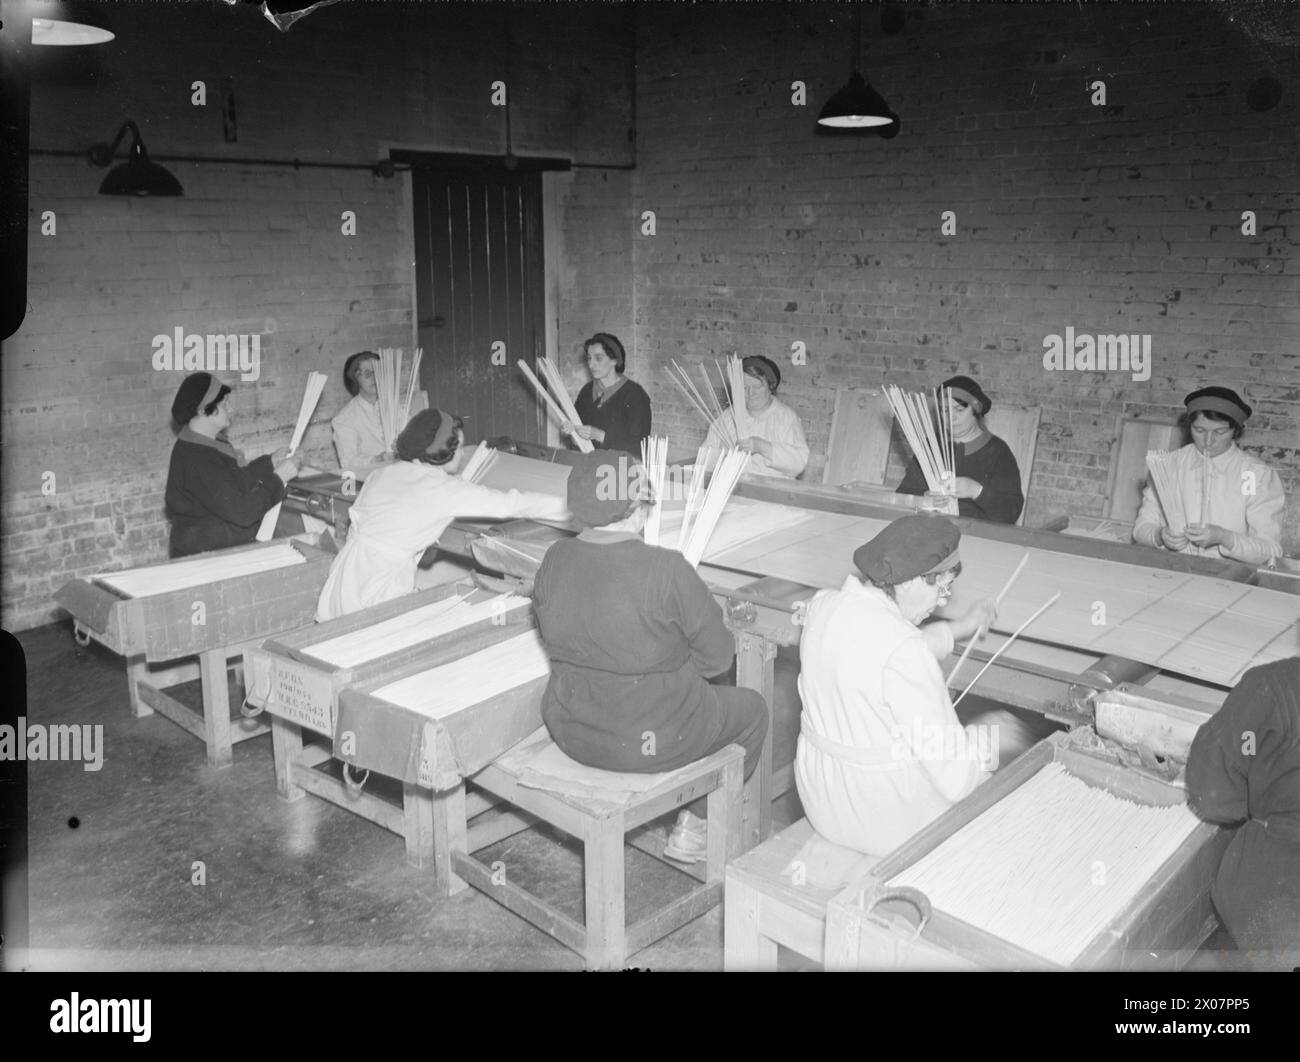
<point x="403" y="509"/>
<point x="881" y="751"/>
<point x="1233" y="502"/>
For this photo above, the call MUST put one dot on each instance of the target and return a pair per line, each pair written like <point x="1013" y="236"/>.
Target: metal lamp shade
<point x="856" y="106"/>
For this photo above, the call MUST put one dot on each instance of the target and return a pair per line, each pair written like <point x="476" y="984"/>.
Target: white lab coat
<point x="881" y="752"/>
<point x="779" y="425"/>
<point x="402" y="510"/>
<point x="1245" y="497"/>
<point x="358" y="437"/>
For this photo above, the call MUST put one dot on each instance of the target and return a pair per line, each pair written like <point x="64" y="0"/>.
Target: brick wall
<point x="1124" y="218"/>
<point x="258" y="249"/>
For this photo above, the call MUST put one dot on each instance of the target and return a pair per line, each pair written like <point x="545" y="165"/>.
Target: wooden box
<point x="375" y="734"/>
<point x="1160" y="929"/>
<point x="234" y="610"/>
<point x="283" y="676"/>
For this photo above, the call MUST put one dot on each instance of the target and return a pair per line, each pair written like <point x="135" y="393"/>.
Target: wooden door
<point x="480" y="272"/>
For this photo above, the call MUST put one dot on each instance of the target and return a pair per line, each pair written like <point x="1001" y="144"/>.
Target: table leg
<point x="450" y="833"/>
<point x="216" y="707"/>
<point x="755" y="670"/>
<point x="136" y="670"/>
<point x="286" y="741"/>
<point x="417" y="824"/>
<point x="603" y="875"/>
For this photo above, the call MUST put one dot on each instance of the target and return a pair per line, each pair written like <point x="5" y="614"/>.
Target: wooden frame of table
<point x="1160" y="929"/>
<point x="238" y="613"/>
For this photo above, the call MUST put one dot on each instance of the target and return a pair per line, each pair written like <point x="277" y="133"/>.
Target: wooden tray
<point x="284" y="678"/>
<point x="239" y="609"/>
<point x="1160" y="929"/>
<point x="374" y="734"/>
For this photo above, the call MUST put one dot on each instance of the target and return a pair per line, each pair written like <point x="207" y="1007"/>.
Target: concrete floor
<point x="301" y="886"/>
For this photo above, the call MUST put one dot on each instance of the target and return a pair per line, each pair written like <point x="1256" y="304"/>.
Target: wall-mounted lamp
<point x="136" y="176"/>
<point x="857" y="106"/>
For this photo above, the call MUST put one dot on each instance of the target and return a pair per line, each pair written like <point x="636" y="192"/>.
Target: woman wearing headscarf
<point x="1243" y="770"/>
<point x="216" y="498"/>
<point x="615" y="411"/>
<point x="881" y="751"/>
<point x="358" y="433"/>
<point x="775" y="441"/>
<point x="1239" y="515"/>
<point x="988" y="476"/>
<point x="403" y="509"/>
<point x="634" y="635"/>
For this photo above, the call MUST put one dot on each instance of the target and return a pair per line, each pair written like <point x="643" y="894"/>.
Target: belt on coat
<point x="848" y="753"/>
<point x="386" y="548"/>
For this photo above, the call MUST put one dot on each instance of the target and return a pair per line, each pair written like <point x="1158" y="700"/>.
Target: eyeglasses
<point x="944" y="580"/>
<point x="364" y="373"/>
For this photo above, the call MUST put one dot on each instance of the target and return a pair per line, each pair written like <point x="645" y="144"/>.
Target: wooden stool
<point x="600" y="812"/>
<point x="770" y="900"/>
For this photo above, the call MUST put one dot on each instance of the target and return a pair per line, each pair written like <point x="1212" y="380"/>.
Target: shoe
<point x="689" y="841"/>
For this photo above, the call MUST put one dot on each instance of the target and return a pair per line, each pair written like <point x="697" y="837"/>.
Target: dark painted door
<point x="480" y="270"/>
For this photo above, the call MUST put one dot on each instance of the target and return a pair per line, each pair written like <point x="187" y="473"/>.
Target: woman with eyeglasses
<point x="988" y="476"/>
<point x="615" y="411"/>
<point x="881" y="751"/>
<point x="1239" y="516"/>
<point x="404" y="508"/>
<point x="358" y="434"/>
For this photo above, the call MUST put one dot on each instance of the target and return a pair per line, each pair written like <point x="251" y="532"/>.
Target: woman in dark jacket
<point x="614" y="410"/>
<point x="988" y="477"/>
<point x="214" y="498"/>
<point x="1244" y="770"/>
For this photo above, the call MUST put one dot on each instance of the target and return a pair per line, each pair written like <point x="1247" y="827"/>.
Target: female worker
<point x="881" y="751"/>
<point x="774" y="435"/>
<point x="1244" y="770"/>
<point x="988" y="477"/>
<point x="634" y="634"/>
<point x="615" y="411"/>
<point x="405" y="506"/>
<point x="358" y="433"/>
<point x="214" y="497"/>
<point x="1239" y="516"/>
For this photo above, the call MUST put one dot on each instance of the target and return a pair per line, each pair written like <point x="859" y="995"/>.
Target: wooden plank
<point x="858" y="448"/>
<point x="450" y="830"/>
<point x="603" y="888"/>
<point x="1210" y="629"/>
<point x="1017" y="426"/>
<point x="417" y="824"/>
<point x="551" y="921"/>
<point x="367" y="805"/>
<point x="1128" y="471"/>
<point x="287" y="747"/>
<point x="745" y="947"/>
<point x="166" y="705"/>
<point x="684" y="909"/>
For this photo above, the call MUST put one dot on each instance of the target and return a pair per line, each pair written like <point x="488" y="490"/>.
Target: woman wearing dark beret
<point x="881" y="751"/>
<point x="614" y="410"/>
<point x="1232" y="501"/>
<point x="988" y="477"/>
<point x="775" y="442"/>
<point x="403" y="509"/>
<point x="358" y="433"/>
<point x="216" y="498"/>
<point x="634" y="635"/>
